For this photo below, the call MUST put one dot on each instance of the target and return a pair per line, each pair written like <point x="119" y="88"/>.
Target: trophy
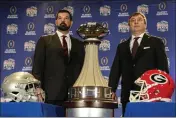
<point x="90" y="95"/>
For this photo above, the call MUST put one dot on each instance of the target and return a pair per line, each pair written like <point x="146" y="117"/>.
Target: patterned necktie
<point x="65" y="47"/>
<point x="135" y="46"/>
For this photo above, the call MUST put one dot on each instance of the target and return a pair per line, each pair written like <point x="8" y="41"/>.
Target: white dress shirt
<point x="68" y="40"/>
<point x="132" y="40"/>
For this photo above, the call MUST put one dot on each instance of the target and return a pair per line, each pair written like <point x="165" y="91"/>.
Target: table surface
<point x="31" y="109"/>
<point x="151" y="109"/>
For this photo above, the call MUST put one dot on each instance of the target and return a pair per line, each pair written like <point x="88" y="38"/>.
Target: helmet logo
<point x="158" y="78"/>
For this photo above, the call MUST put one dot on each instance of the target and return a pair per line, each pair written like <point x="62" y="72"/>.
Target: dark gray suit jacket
<point x="56" y="72"/>
<point x="150" y="55"/>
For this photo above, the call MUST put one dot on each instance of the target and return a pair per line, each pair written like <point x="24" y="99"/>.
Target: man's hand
<point x="40" y="94"/>
<point x="5" y="100"/>
<point x="114" y="97"/>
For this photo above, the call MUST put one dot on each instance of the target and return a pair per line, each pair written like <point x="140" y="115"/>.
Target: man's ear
<point x="71" y="24"/>
<point x="56" y="22"/>
<point x="145" y="26"/>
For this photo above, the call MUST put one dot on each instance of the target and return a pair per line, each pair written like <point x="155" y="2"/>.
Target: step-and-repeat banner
<point x="22" y="23"/>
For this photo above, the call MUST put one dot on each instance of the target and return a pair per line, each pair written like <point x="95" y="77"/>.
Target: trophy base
<point x="90" y="108"/>
<point x="90" y="101"/>
<point x="89" y="112"/>
<point x="90" y="92"/>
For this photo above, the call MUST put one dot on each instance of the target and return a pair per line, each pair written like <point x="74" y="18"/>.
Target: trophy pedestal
<point x="90" y="95"/>
<point x="89" y="112"/>
<point x="85" y="108"/>
<point x="90" y="101"/>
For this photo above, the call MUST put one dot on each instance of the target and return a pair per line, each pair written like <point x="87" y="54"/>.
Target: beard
<point x="63" y="27"/>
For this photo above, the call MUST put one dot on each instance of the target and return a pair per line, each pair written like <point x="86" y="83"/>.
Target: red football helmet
<point x="156" y="85"/>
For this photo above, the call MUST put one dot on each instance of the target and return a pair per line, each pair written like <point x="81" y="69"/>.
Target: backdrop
<point x="22" y="23"/>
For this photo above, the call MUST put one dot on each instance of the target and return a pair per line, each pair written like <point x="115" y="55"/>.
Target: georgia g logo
<point x="158" y="78"/>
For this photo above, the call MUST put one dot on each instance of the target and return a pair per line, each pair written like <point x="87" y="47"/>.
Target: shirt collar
<point x="141" y="35"/>
<point x="60" y="34"/>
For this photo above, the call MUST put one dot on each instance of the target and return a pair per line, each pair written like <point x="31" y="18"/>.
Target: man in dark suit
<point x="58" y="60"/>
<point x="141" y="52"/>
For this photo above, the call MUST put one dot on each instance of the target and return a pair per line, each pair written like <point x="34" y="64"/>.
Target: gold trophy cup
<point x="90" y="95"/>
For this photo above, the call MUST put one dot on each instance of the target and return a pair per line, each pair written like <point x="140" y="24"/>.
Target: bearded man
<point x="58" y="60"/>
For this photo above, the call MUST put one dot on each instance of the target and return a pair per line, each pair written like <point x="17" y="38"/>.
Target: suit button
<point x="134" y="65"/>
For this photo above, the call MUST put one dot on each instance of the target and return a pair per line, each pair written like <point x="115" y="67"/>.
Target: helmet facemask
<point x="136" y="96"/>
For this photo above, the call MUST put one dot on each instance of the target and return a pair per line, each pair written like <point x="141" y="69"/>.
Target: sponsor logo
<point x="30" y="29"/>
<point x="123" y="9"/>
<point x="105" y="45"/>
<point x="70" y="9"/>
<point x="104" y="63"/>
<point x="13" y="11"/>
<point x="29" y="46"/>
<point x="86" y="10"/>
<point x="162" y="6"/>
<point x="162" y="26"/>
<point x="123" y="27"/>
<point x="10" y="45"/>
<point x="49" y="14"/>
<point x="49" y="28"/>
<point x="105" y="24"/>
<point x="105" y="10"/>
<point x="9" y="64"/>
<point x="28" y="64"/>
<point x="143" y="9"/>
<point x="12" y="29"/>
<point x="32" y="11"/>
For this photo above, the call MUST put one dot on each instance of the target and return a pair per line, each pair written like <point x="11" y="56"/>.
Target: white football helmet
<point x="22" y="87"/>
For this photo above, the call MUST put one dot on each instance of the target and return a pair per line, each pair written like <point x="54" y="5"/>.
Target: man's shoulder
<point x="47" y="36"/>
<point x="76" y="39"/>
<point x="155" y="38"/>
<point x="124" y="42"/>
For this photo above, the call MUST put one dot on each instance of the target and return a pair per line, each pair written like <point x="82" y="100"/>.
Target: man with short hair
<point x="141" y="52"/>
<point x="58" y="60"/>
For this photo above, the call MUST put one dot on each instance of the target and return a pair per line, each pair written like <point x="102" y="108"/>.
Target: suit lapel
<point x="128" y="47"/>
<point x="72" y="48"/>
<point x="57" y="44"/>
<point x="141" y="47"/>
<point x="57" y="40"/>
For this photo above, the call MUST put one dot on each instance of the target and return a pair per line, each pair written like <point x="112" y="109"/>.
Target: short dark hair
<point x="136" y="14"/>
<point x="64" y="11"/>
